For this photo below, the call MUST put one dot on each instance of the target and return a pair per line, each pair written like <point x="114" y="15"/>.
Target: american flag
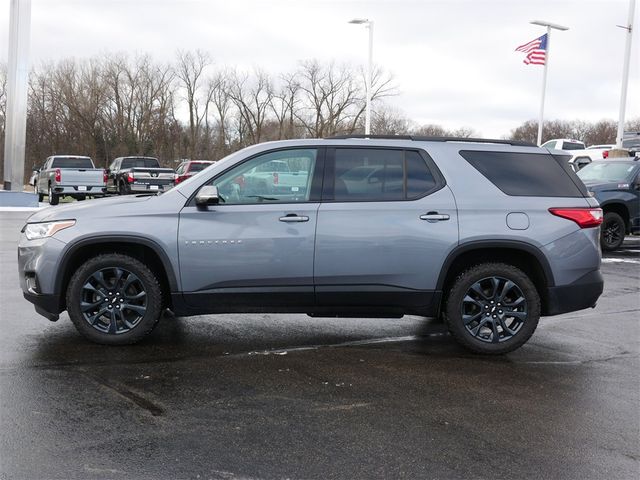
<point x="536" y="50"/>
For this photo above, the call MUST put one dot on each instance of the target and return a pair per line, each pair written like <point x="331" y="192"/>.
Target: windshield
<point x="607" y="171"/>
<point x="72" y="162"/>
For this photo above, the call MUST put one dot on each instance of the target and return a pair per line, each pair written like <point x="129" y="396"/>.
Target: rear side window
<point x="72" y="162"/>
<point x="378" y="174"/>
<point x="525" y="174"/>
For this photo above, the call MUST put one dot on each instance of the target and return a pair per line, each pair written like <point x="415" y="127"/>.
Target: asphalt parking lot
<point x="288" y="396"/>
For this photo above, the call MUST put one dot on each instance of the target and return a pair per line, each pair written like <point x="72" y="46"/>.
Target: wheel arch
<point x="525" y="256"/>
<point x="143" y="249"/>
<point x="619" y="208"/>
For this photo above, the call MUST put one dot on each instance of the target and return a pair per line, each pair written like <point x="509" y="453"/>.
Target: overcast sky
<point x="453" y="61"/>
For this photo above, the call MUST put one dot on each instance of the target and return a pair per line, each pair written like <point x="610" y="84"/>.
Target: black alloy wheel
<point x="114" y="299"/>
<point x="612" y="231"/>
<point x="492" y="308"/>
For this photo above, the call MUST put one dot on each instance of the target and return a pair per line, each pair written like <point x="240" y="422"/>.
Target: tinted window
<point x="572" y="146"/>
<point x="139" y="163"/>
<point x="72" y="162"/>
<point x="525" y="174"/>
<point x="419" y="178"/>
<point x="368" y="174"/>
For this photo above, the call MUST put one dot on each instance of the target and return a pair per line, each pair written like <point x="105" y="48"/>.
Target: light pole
<point x="368" y="24"/>
<point x="625" y="73"/>
<point x="549" y="26"/>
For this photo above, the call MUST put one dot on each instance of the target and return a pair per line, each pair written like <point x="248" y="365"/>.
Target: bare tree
<point x="252" y="99"/>
<point x="190" y="69"/>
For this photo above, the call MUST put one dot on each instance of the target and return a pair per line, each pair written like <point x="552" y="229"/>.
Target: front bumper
<point x="46" y="305"/>
<point x="583" y="293"/>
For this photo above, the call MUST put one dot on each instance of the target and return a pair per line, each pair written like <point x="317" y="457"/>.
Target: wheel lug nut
<point x="495" y="316"/>
<point x="499" y="311"/>
<point x="488" y="314"/>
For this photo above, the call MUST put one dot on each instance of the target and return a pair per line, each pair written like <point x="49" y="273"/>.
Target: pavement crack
<point x="126" y="393"/>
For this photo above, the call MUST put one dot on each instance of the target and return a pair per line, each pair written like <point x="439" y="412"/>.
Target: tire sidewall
<point x="149" y="282"/>
<point x="459" y="290"/>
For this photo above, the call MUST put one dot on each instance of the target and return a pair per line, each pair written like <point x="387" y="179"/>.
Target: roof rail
<point x="417" y="138"/>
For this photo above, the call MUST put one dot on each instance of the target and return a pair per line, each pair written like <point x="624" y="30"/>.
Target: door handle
<point x="293" y="217"/>
<point x="434" y="217"/>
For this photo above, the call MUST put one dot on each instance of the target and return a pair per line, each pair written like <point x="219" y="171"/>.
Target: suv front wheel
<point x="493" y="308"/>
<point x="114" y="299"/>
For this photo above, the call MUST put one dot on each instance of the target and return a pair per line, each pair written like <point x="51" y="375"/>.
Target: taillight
<point x="105" y="176"/>
<point x="130" y="177"/>
<point x="275" y="178"/>
<point x="181" y="178"/>
<point x="605" y="154"/>
<point x="58" y="175"/>
<point x="584" y="217"/>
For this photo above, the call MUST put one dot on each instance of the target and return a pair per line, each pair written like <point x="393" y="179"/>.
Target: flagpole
<point x="544" y="86"/>
<point x="546" y="65"/>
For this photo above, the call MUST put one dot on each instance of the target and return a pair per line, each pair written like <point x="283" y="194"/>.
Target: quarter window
<point x="283" y="176"/>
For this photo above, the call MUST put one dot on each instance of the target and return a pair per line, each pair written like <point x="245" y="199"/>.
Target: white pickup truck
<point x="277" y="176"/>
<point x="69" y="175"/>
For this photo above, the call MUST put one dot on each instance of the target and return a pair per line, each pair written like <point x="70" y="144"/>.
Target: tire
<point x="473" y="308"/>
<point x="612" y="232"/>
<point x="40" y="196"/>
<point x="54" y="198"/>
<point x="114" y="299"/>
<point x="122" y="189"/>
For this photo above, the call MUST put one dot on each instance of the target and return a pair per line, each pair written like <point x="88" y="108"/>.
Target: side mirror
<point x="207" y="195"/>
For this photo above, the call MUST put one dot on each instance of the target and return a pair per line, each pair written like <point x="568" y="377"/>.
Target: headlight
<point x="34" y="231"/>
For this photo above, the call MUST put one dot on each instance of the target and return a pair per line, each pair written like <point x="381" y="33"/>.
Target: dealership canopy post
<point x="17" y="81"/>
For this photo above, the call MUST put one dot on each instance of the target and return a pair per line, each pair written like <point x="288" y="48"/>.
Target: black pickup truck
<point x="138" y="175"/>
<point x="615" y="184"/>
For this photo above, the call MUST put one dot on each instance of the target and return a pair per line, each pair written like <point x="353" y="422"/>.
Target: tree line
<point x="113" y="105"/>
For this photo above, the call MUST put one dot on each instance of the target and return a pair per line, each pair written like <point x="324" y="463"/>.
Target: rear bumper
<point x="583" y="293"/>
<point x="141" y="187"/>
<point x="74" y="190"/>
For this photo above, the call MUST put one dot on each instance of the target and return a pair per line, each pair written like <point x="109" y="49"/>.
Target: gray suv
<point x="487" y="234"/>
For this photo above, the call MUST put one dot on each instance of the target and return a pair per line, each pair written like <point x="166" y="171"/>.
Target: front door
<point x="385" y="226"/>
<point x="254" y="250"/>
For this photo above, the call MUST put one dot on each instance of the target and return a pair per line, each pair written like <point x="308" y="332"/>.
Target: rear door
<point x="255" y="248"/>
<point x="385" y="225"/>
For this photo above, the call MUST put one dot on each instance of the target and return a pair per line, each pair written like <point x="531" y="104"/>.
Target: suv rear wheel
<point x="612" y="231"/>
<point x="114" y="299"/>
<point x="493" y="308"/>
